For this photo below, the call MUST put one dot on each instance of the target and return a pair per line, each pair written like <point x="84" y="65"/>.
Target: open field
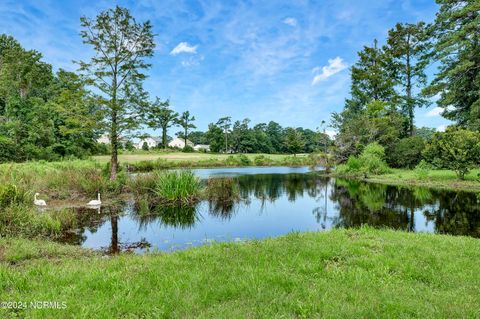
<point x="441" y="179"/>
<point x="363" y="273"/>
<point x="179" y="156"/>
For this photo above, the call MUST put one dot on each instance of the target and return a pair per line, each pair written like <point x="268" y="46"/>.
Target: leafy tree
<point x="145" y="146"/>
<point x="407" y="152"/>
<point x="225" y="123"/>
<point x="426" y="133"/>
<point x="121" y="45"/>
<point x="185" y="121"/>
<point x="456" y="149"/>
<point x="294" y="141"/>
<point x="457" y="50"/>
<point x="263" y="144"/>
<point x="406" y="49"/>
<point x="215" y="137"/>
<point x="275" y="134"/>
<point x="243" y="139"/>
<point x="159" y="115"/>
<point x="197" y="137"/>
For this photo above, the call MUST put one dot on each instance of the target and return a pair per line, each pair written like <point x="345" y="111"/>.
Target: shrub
<point x="188" y="149"/>
<point x="407" y="152"/>
<point x="422" y="170"/>
<point x="244" y="160"/>
<point x="371" y="161"/>
<point x="456" y="149"/>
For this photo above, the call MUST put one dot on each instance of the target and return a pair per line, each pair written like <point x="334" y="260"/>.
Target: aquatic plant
<point x="177" y="186"/>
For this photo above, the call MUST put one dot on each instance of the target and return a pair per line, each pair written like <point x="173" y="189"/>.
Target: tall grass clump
<point x="177" y="187"/>
<point x="11" y="194"/>
<point x="222" y="189"/>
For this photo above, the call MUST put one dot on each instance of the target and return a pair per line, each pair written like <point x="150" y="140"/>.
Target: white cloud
<point x="442" y="128"/>
<point x="290" y="21"/>
<point x="436" y="111"/>
<point x="331" y="133"/>
<point x="184" y="47"/>
<point x="334" y="66"/>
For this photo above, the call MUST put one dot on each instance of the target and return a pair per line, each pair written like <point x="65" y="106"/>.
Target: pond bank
<point x="436" y="179"/>
<point x="339" y="273"/>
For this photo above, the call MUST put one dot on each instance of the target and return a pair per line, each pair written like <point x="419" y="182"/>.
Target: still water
<point x="275" y="201"/>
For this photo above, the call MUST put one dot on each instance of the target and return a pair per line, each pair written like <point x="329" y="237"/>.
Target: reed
<point x="177" y="187"/>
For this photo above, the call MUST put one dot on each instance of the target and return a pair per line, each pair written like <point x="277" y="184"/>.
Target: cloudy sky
<point x="286" y="61"/>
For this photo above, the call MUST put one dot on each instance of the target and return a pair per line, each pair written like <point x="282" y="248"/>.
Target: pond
<point x="275" y="201"/>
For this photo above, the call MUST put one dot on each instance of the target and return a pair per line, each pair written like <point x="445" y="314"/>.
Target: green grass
<point x="442" y="179"/>
<point x="177" y="186"/>
<point x="362" y="273"/>
<point x="179" y="157"/>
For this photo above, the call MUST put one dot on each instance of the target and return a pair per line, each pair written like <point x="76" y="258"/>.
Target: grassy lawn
<point x="444" y="179"/>
<point x="361" y="273"/>
<point x="180" y="156"/>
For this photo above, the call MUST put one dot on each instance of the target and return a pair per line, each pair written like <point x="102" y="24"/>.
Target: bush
<point x="422" y="170"/>
<point x="371" y="161"/>
<point x="456" y="149"/>
<point x="407" y="153"/>
<point x="188" y="149"/>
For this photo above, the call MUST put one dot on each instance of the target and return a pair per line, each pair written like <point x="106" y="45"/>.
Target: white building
<point x="151" y="142"/>
<point x="179" y="143"/>
<point x="104" y="139"/>
<point x="200" y="147"/>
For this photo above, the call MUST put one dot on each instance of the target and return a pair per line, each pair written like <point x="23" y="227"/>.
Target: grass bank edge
<point x="362" y="272"/>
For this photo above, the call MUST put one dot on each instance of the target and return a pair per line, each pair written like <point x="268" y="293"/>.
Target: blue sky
<point x="286" y="61"/>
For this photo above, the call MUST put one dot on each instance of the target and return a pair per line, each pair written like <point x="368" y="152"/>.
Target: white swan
<point x="39" y="202"/>
<point x="95" y="202"/>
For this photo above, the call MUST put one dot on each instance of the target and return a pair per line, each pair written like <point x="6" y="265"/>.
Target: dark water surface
<point x="275" y="201"/>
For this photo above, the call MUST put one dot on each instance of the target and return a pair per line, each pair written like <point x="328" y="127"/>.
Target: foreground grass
<point x="341" y="273"/>
<point x="442" y="179"/>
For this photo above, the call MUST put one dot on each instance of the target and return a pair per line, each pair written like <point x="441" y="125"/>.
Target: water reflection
<point x="275" y="204"/>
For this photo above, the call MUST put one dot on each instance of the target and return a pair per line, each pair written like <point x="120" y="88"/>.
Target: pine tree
<point x="406" y="48"/>
<point x="370" y="79"/>
<point x="457" y="49"/>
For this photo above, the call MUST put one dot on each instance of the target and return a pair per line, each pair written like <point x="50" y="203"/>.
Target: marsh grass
<point x="30" y="222"/>
<point x="181" y="187"/>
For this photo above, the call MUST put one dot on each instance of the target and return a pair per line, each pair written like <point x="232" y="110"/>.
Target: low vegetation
<point x="336" y="274"/>
<point x="181" y="187"/>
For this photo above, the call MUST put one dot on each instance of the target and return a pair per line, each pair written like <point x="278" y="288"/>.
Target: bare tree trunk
<point x="114" y="132"/>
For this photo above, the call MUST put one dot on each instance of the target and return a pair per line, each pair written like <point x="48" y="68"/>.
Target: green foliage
<point x="177" y="186"/>
<point x="371" y="161"/>
<point x="456" y="149"/>
<point x="116" y="69"/>
<point x="457" y="52"/>
<point x="160" y="116"/>
<point x="188" y="149"/>
<point x="222" y="190"/>
<point x="422" y="170"/>
<point x="10" y="194"/>
<point x="145" y="146"/>
<point x="294" y="141"/>
<point x="407" y="152"/>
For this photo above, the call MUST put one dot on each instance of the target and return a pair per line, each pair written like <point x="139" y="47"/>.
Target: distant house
<point x="179" y="143"/>
<point x="200" y="147"/>
<point x="104" y="139"/>
<point x="151" y="142"/>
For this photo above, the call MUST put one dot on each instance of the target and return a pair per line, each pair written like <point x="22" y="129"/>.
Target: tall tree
<point x="185" y="121"/>
<point x="121" y="45"/>
<point x="457" y="49"/>
<point x="370" y="79"/>
<point x="406" y="48"/>
<point x="225" y="123"/>
<point x="159" y="115"/>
